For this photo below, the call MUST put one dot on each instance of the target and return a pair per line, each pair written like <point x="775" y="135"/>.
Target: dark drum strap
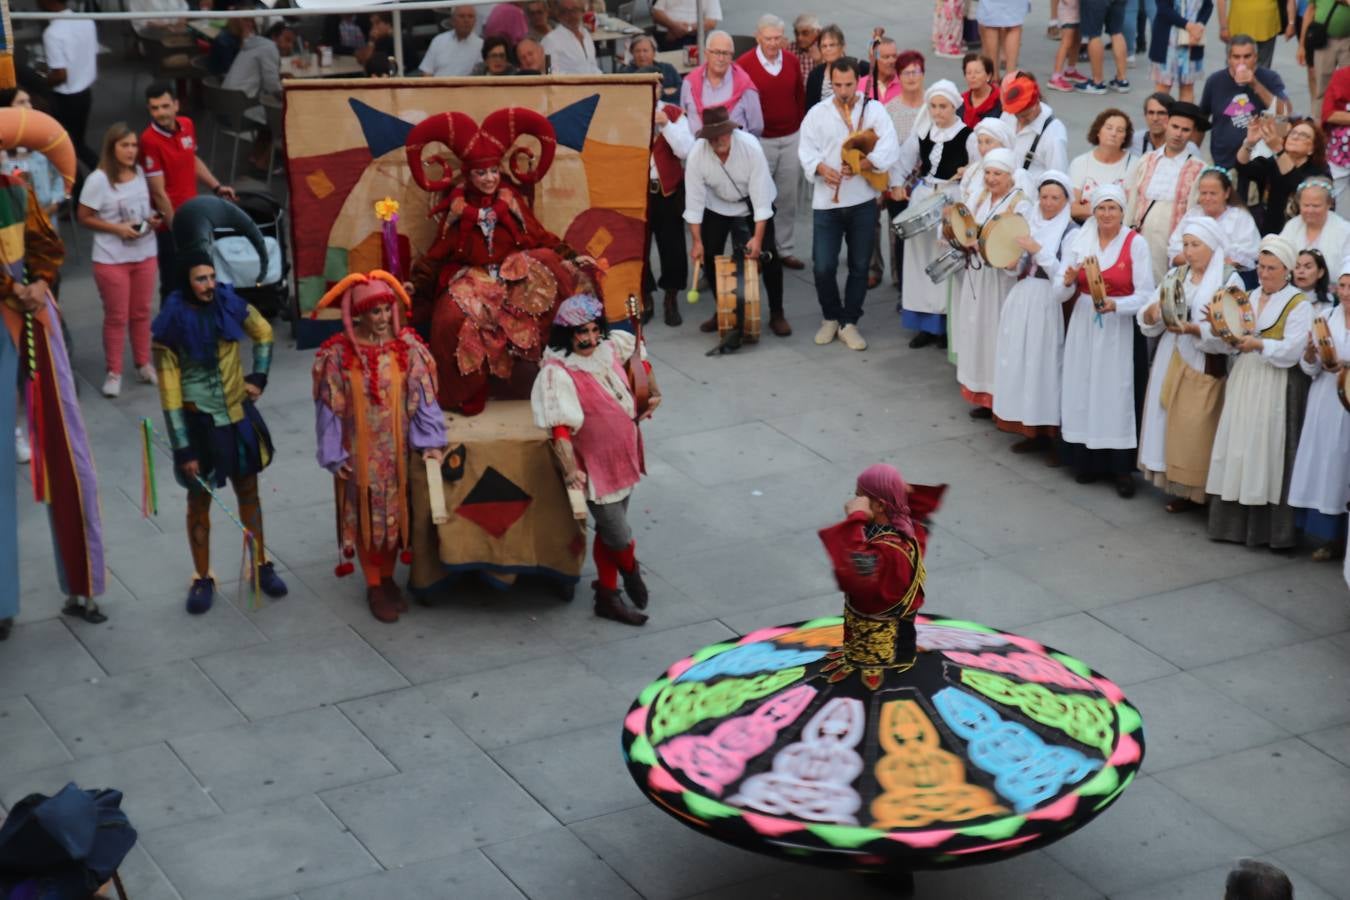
<point x="1031" y="154"/>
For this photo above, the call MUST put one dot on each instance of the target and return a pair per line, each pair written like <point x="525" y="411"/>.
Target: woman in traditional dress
<point x="1316" y="225"/>
<point x="931" y="160"/>
<point x="1257" y="440"/>
<point x="1105" y="356"/>
<point x="985" y="288"/>
<point x="1185" y="387"/>
<point x="1320" y="485"/>
<point x="1215" y="198"/>
<point x="1031" y="329"/>
<point x="1108" y="162"/>
<point x="1312" y="277"/>
<point x="990" y="134"/>
<point x="374" y="405"/>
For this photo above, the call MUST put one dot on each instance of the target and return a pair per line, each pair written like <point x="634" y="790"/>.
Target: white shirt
<point x="568" y="54"/>
<point x="1162" y="185"/>
<point x="687" y="10"/>
<point x="722" y="187"/>
<point x="822" y="137"/>
<point x="126" y="202"/>
<point x="72" y="44"/>
<point x="774" y="66"/>
<point x="1053" y="150"/>
<point x="449" y="57"/>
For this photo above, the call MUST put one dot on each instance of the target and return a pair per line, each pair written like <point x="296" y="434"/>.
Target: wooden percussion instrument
<point x="1343" y="388"/>
<point x="998" y="239"/>
<point x="946" y="265"/>
<point x="1325" y="344"/>
<point x="1230" y="315"/>
<point x="1092" y="272"/>
<point x="919" y="217"/>
<point x="1172" y="300"/>
<point x="959" y="228"/>
<point x="737" y="288"/>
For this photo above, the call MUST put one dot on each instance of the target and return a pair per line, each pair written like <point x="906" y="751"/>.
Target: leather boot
<point x="778" y="323"/>
<point x="391" y="588"/>
<point x="648" y="308"/>
<point x="609" y="605"/>
<point x="634" y="586"/>
<point x="672" y="309"/>
<point x="382" y="606"/>
<point x="710" y="326"/>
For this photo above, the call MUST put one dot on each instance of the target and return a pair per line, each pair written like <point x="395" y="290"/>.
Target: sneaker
<point x="146" y="374"/>
<point x="112" y="385"/>
<point x="1129" y="61"/>
<point x="270" y="581"/>
<point x="827" y="332"/>
<point x="1075" y="76"/>
<point x="201" y="595"/>
<point x="1119" y="85"/>
<point x="22" y="452"/>
<point x="1060" y="83"/>
<point x="852" y="338"/>
<point x="1092" y="87"/>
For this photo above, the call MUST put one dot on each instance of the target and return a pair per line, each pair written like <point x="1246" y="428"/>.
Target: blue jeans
<point x="855" y="225"/>
<point x="1131" y="27"/>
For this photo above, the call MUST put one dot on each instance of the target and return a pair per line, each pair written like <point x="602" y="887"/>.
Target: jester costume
<point x="33" y="356"/>
<point x="374" y="404"/>
<point x="883" y="740"/>
<point x="208" y="411"/>
<point x="490" y="282"/>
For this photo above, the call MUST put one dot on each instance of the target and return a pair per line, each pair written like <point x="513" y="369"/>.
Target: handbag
<point x="1317" y="35"/>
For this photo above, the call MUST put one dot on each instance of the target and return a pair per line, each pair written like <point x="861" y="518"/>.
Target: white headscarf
<point x="1050" y="232"/>
<point x="1087" y="243"/>
<point x="1280" y="248"/>
<point x="1212" y="234"/>
<point x="1000" y="159"/>
<point x="997" y="129"/>
<point x="1344" y="269"/>
<point x="923" y="125"/>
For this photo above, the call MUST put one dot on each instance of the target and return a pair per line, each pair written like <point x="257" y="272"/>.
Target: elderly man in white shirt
<point x="569" y="46"/>
<point x="677" y="21"/>
<point x="729" y="192"/>
<point x="844" y="201"/>
<point x="453" y="53"/>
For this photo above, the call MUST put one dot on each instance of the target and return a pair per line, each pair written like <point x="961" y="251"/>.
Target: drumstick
<point x="692" y="294"/>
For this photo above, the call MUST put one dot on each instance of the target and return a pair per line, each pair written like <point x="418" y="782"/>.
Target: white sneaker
<point x="22" y="452"/>
<point x="852" y="338"/>
<point x="828" y="329"/>
<point x="112" y="385"/>
<point x="146" y="374"/>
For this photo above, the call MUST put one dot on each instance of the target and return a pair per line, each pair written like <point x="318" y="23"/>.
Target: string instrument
<point x="638" y="378"/>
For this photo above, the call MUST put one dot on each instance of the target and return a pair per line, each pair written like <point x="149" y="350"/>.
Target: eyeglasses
<point x="802" y="32"/>
<point x="911" y="72"/>
<point x="719" y="52"/>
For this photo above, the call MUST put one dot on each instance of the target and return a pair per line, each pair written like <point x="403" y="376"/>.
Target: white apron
<point x="982" y="295"/>
<point x="1321" y="477"/>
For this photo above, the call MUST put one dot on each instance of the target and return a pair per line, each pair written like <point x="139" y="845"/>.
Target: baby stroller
<point x="237" y="262"/>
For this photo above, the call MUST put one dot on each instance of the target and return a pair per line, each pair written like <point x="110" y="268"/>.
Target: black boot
<point x="671" y="307"/>
<point x="648" y="308"/>
<point x="634" y="586"/>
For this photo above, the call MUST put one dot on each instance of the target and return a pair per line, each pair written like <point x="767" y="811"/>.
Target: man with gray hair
<point x="720" y="82"/>
<point x="782" y="99"/>
<point x="806" y="31"/>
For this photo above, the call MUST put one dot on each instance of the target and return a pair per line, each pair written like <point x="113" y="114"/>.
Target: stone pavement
<point x="472" y="750"/>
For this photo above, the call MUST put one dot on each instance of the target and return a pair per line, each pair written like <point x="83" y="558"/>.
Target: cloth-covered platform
<point x="507" y="508"/>
<point x="991" y="744"/>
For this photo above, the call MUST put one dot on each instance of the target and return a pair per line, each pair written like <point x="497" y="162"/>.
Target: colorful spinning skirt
<point x="990" y="744"/>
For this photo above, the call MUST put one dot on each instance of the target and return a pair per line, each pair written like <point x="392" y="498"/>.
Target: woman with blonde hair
<point x="115" y="205"/>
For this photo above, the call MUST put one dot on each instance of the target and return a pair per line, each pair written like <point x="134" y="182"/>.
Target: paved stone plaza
<point x="472" y="750"/>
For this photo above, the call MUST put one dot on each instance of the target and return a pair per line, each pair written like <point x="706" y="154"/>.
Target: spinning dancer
<point x="33" y="356"/>
<point x="375" y="400"/>
<point x="213" y="426"/>
<point x="583" y="397"/>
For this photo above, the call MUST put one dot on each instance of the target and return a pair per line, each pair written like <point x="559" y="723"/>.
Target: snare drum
<point x="1325" y="344"/>
<point x="998" y="239"/>
<point x="920" y="217"/>
<point x="945" y="266"/>
<point x="959" y="228"/>
<point x="1092" y="273"/>
<point x="1172" y="300"/>
<point x="1231" y="316"/>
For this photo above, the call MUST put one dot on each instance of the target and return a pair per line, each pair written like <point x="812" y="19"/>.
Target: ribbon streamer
<point x="149" y="488"/>
<point x="250" y="562"/>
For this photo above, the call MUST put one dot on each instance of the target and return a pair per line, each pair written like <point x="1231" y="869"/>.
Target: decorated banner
<point x="345" y="150"/>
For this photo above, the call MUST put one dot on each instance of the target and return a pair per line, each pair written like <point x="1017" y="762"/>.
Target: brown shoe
<point x="778" y="324"/>
<point x="710" y="326"/>
<point x="609" y="605"/>
<point x="792" y="262"/>
<point x="382" y="606"/>
<point x="389" y="587"/>
<point x="648" y="308"/>
<point x="671" y="307"/>
<point x="873" y="281"/>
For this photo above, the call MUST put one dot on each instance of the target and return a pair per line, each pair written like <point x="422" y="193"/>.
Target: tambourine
<point x="959" y="228"/>
<point x="1172" y="300"/>
<point x="1092" y="273"/>
<point x="1230" y="314"/>
<point x="998" y="239"/>
<point x="1325" y="344"/>
<point x="1343" y="388"/>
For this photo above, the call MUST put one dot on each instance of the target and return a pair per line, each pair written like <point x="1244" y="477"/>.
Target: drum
<point x="959" y="228"/>
<point x="920" y="217"/>
<point x="1343" y="388"/>
<point x="998" y="239"/>
<point x="1326" y="346"/>
<point x="945" y="266"/>
<point x="1092" y="273"/>
<point x="1230" y="315"/>
<point x="1172" y="300"/>
<point x="736" y="278"/>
